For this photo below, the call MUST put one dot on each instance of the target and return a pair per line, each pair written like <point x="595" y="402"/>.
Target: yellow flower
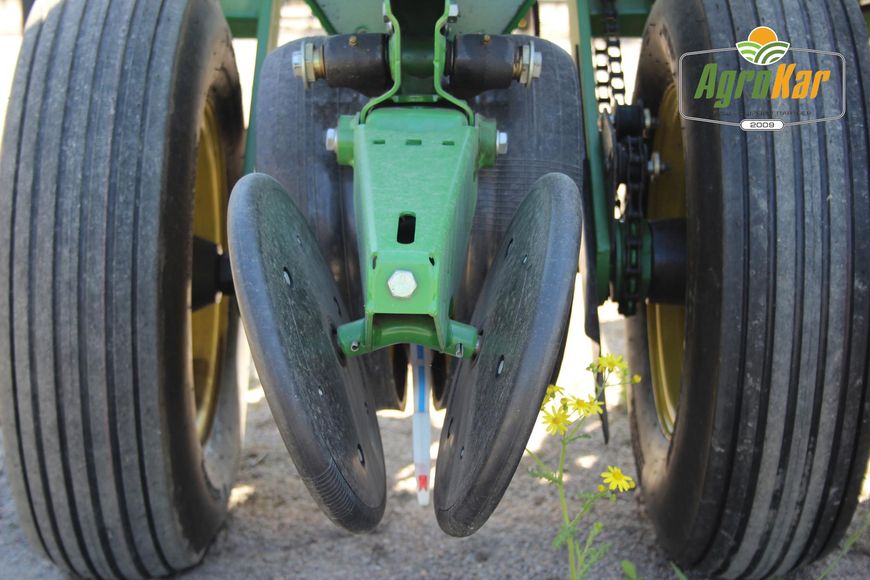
<point x="616" y="479"/>
<point x="635" y="379"/>
<point x="552" y="391"/>
<point x="609" y="363"/>
<point x="556" y="420"/>
<point x="601" y="488"/>
<point x="612" y="362"/>
<point x="591" y="406"/>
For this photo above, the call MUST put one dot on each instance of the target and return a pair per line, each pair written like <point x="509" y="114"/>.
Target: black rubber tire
<point x="96" y="395"/>
<point x="291" y="138"/>
<point x="545" y="124"/>
<point x="771" y="441"/>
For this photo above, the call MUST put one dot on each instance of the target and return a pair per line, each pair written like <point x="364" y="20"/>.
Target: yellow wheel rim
<point x="209" y="324"/>
<point x="665" y="322"/>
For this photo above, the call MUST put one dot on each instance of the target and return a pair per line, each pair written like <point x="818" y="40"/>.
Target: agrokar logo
<point x="810" y="87"/>
<point x="763" y="47"/>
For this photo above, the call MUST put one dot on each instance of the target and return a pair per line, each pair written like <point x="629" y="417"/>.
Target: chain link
<point x="631" y="152"/>
<point x="635" y="185"/>
<point x="609" y="75"/>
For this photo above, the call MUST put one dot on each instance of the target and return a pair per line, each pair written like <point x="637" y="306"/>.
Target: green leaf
<point x="680" y="574"/>
<point x="629" y="569"/>
<point x="566" y="532"/>
<point x="547" y="475"/>
<point x="578" y="436"/>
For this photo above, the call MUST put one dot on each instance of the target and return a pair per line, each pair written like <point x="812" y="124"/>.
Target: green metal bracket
<point x="586" y="18"/>
<point x="518" y="17"/>
<point x="415" y="190"/>
<point x="394" y="49"/>
<point x="321" y="16"/>
<point x="602" y="206"/>
<point x="391" y="329"/>
<point x="400" y="57"/>
<point x="254" y="19"/>
<point x="479" y="16"/>
<point x="632" y="16"/>
<point x="440" y="64"/>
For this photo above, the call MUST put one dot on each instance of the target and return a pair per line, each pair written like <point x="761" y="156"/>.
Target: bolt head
<point x="402" y="284"/>
<point x="537" y="65"/>
<point x="331" y="140"/>
<point x="655" y="165"/>
<point x="501" y="143"/>
<point x="298" y="64"/>
<point x="453" y="13"/>
<point x="647" y="119"/>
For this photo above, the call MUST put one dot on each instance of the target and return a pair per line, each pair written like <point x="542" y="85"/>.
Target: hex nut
<point x="501" y="143"/>
<point x="402" y="284"/>
<point x="537" y="64"/>
<point x="531" y="64"/>
<point x="331" y="140"/>
<point x="298" y="64"/>
<point x="453" y="13"/>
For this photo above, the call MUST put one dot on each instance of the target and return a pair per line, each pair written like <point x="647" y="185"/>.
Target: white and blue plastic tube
<point x="421" y="370"/>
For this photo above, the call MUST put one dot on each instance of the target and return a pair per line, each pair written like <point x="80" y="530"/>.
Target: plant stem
<point x="563" y="502"/>
<point x="537" y="459"/>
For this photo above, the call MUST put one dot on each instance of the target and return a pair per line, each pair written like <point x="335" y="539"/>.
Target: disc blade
<point x="523" y="311"/>
<point x="291" y="308"/>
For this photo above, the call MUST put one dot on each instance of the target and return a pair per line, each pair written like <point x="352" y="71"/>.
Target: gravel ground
<point x="275" y="530"/>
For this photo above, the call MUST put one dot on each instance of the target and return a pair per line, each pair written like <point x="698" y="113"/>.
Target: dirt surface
<point x="275" y="529"/>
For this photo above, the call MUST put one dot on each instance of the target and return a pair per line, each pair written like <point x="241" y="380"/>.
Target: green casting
<point x="415" y="191"/>
<point x="254" y="19"/>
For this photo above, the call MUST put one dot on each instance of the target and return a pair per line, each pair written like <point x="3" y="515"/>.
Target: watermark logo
<point x="746" y="90"/>
<point x="763" y="47"/>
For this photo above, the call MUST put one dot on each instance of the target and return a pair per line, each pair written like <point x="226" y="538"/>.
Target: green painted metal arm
<point x="632" y="16"/>
<point x="354" y="16"/>
<point x="258" y="19"/>
<point x="602" y="206"/>
<point x="586" y="22"/>
<point x="415" y="191"/>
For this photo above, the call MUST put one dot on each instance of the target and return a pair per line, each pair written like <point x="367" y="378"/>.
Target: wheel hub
<point x="209" y="322"/>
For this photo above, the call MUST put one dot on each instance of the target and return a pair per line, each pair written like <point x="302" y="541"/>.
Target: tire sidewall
<point x="202" y="476"/>
<point x="674" y="473"/>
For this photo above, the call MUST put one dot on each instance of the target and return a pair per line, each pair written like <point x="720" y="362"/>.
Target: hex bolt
<point x="648" y="120"/>
<point x="354" y="346"/>
<point x="453" y="13"/>
<point x="537" y="65"/>
<point x="460" y="350"/>
<point x="331" y="140"/>
<point x="402" y="284"/>
<point x="528" y="64"/>
<point x="656" y="166"/>
<point x="298" y="64"/>
<point x="501" y="143"/>
<point x="308" y="63"/>
<point x="353" y="40"/>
